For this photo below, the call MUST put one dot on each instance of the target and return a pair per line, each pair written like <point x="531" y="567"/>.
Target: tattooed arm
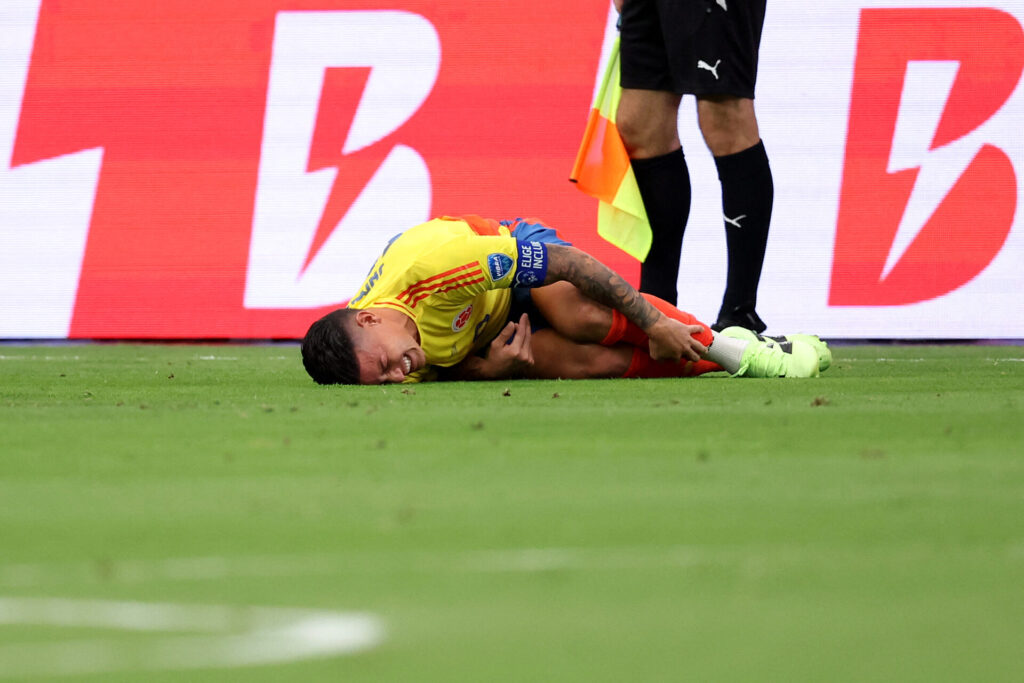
<point x="669" y="339"/>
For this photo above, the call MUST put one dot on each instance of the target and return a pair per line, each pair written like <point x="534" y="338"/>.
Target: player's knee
<point x="607" y="362"/>
<point x="591" y="362"/>
<point x="589" y="323"/>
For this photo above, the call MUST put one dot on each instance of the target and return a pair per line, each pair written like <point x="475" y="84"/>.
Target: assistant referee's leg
<point x="729" y="126"/>
<point x="647" y="122"/>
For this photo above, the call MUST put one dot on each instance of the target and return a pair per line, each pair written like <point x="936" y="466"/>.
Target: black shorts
<point x="693" y="47"/>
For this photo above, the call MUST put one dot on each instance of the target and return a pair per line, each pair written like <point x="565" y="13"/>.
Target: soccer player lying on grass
<point x="471" y="298"/>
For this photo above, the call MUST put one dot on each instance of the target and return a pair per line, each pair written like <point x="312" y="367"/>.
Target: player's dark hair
<point x="327" y="350"/>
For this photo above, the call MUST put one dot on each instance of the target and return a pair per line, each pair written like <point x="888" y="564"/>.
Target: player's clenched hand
<point x="673" y="340"/>
<point x="507" y="358"/>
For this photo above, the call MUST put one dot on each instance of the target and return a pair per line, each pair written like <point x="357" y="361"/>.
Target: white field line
<point x="186" y="569"/>
<point x="176" y="636"/>
<point x="219" y="636"/>
<point x="513" y="560"/>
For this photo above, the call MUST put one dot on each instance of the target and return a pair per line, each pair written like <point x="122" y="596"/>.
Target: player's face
<point x="386" y="352"/>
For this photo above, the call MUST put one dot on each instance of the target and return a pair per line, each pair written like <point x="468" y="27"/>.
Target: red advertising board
<point x="221" y="169"/>
<point x="176" y="95"/>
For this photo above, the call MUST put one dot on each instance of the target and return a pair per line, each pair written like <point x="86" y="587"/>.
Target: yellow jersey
<point x="452" y="276"/>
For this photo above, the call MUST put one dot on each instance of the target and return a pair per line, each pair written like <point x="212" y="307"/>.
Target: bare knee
<point x="728" y="124"/>
<point x="591" y="323"/>
<point x="647" y="122"/>
<point x="599" y="362"/>
<point x="572" y="314"/>
<point x="556" y="357"/>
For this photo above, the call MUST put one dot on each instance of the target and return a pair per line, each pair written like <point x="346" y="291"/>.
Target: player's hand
<point x="510" y="358"/>
<point x="673" y="340"/>
<point x="618" y="6"/>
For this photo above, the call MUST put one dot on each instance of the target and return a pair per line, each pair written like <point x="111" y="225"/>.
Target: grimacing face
<point x="385" y="349"/>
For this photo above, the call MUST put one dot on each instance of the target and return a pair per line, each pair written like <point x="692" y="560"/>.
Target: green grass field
<point x="864" y="526"/>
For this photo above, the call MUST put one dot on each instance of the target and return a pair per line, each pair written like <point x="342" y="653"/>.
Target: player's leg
<point x="563" y="307"/>
<point x="582" y="320"/>
<point x="558" y="357"/>
<point x="571" y="313"/>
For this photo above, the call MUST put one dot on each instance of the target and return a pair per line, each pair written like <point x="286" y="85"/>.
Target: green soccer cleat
<point x="820" y="347"/>
<point x="769" y="358"/>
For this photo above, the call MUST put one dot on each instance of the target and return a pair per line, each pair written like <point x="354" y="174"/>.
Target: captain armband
<point x="531" y="264"/>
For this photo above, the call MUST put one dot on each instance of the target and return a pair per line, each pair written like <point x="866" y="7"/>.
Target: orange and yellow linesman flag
<point x="602" y="170"/>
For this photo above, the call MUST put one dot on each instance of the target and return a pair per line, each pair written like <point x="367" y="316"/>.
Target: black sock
<point x="747" y="194"/>
<point x="664" y="183"/>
